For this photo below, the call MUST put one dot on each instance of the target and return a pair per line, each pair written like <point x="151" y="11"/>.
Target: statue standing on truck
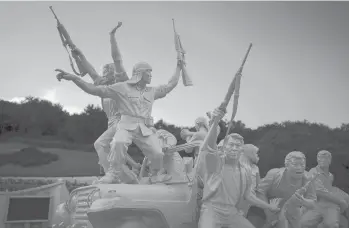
<point x="112" y="73"/>
<point x="135" y="101"/>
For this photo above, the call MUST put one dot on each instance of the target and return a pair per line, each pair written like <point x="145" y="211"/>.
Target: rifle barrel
<point x="174" y="27"/>
<point x="247" y="53"/>
<point x="53" y="13"/>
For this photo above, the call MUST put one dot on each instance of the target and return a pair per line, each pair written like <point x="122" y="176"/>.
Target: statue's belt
<point x="149" y="122"/>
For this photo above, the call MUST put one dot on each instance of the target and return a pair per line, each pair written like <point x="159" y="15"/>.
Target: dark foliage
<point x="39" y="118"/>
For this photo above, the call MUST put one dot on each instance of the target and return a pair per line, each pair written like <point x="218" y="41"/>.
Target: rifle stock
<point x="67" y="41"/>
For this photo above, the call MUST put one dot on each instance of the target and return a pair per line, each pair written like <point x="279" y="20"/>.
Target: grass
<point x="70" y="163"/>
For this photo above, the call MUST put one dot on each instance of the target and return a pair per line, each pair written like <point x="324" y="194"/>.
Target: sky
<point x="297" y="69"/>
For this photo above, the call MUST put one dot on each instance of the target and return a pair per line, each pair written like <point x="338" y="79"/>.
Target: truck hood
<point x="176" y="192"/>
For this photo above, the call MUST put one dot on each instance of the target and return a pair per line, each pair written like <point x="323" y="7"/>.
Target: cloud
<point x="51" y="95"/>
<point x="72" y="110"/>
<point x="17" y="99"/>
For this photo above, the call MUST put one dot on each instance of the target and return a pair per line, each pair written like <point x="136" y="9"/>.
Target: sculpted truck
<point x="172" y="204"/>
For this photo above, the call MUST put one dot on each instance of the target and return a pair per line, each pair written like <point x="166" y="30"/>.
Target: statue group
<point x="231" y="191"/>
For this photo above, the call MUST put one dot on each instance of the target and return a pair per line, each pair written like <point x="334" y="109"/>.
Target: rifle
<point x="235" y="87"/>
<point x="67" y="42"/>
<point x="181" y="56"/>
<point x="290" y="207"/>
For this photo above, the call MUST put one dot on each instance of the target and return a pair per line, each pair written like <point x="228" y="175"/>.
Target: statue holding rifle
<point x="135" y="100"/>
<point x="111" y="73"/>
<point x="226" y="181"/>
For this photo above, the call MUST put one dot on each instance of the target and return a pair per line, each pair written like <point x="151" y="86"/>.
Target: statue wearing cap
<point x="135" y="101"/>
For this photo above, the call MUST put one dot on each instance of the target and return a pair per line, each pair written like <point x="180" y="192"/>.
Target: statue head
<point x="185" y="133"/>
<point x="249" y="154"/>
<point x="324" y="158"/>
<point x="232" y="146"/>
<point x="295" y="164"/>
<point x="109" y="73"/>
<point x="141" y="72"/>
<point x="201" y="122"/>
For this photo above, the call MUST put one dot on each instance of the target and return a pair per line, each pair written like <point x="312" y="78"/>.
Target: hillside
<point x="46" y="126"/>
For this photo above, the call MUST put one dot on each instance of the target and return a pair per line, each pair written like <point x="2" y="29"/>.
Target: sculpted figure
<point x="226" y="181"/>
<point x="329" y="204"/>
<point x="173" y="162"/>
<point x="250" y="158"/>
<point x="201" y="126"/>
<point x="282" y="183"/>
<point x="111" y="73"/>
<point x="135" y="100"/>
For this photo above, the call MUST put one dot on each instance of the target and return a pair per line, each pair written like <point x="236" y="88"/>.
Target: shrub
<point x="28" y="157"/>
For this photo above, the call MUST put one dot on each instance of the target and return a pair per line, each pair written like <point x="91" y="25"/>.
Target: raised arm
<point x="87" y="65"/>
<point x="115" y="52"/>
<point x="210" y="141"/>
<point x="112" y="91"/>
<point x="162" y="90"/>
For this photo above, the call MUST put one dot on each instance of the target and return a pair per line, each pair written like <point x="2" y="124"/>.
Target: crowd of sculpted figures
<point x="231" y="191"/>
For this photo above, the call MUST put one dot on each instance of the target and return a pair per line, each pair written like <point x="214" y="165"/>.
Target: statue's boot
<point x="111" y="177"/>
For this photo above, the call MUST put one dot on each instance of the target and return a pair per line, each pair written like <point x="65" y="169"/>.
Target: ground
<point x="70" y="163"/>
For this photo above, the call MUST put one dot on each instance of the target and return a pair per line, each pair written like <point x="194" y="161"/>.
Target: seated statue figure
<point x="201" y="127"/>
<point x="284" y="183"/>
<point x="330" y="203"/>
<point x="173" y="162"/>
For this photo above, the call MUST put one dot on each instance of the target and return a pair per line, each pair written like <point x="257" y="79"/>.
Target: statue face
<point x="232" y="148"/>
<point x="109" y="71"/>
<point x="146" y="76"/>
<point x="324" y="161"/>
<point x="296" y="167"/>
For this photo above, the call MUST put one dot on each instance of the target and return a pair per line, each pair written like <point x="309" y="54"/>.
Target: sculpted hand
<point x="343" y="205"/>
<point x="302" y="200"/>
<point x="239" y="73"/>
<point x="218" y="113"/>
<point x="64" y="75"/>
<point x="76" y="51"/>
<point x="273" y="208"/>
<point x="112" y="32"/>
<point x="274" y="205"/>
